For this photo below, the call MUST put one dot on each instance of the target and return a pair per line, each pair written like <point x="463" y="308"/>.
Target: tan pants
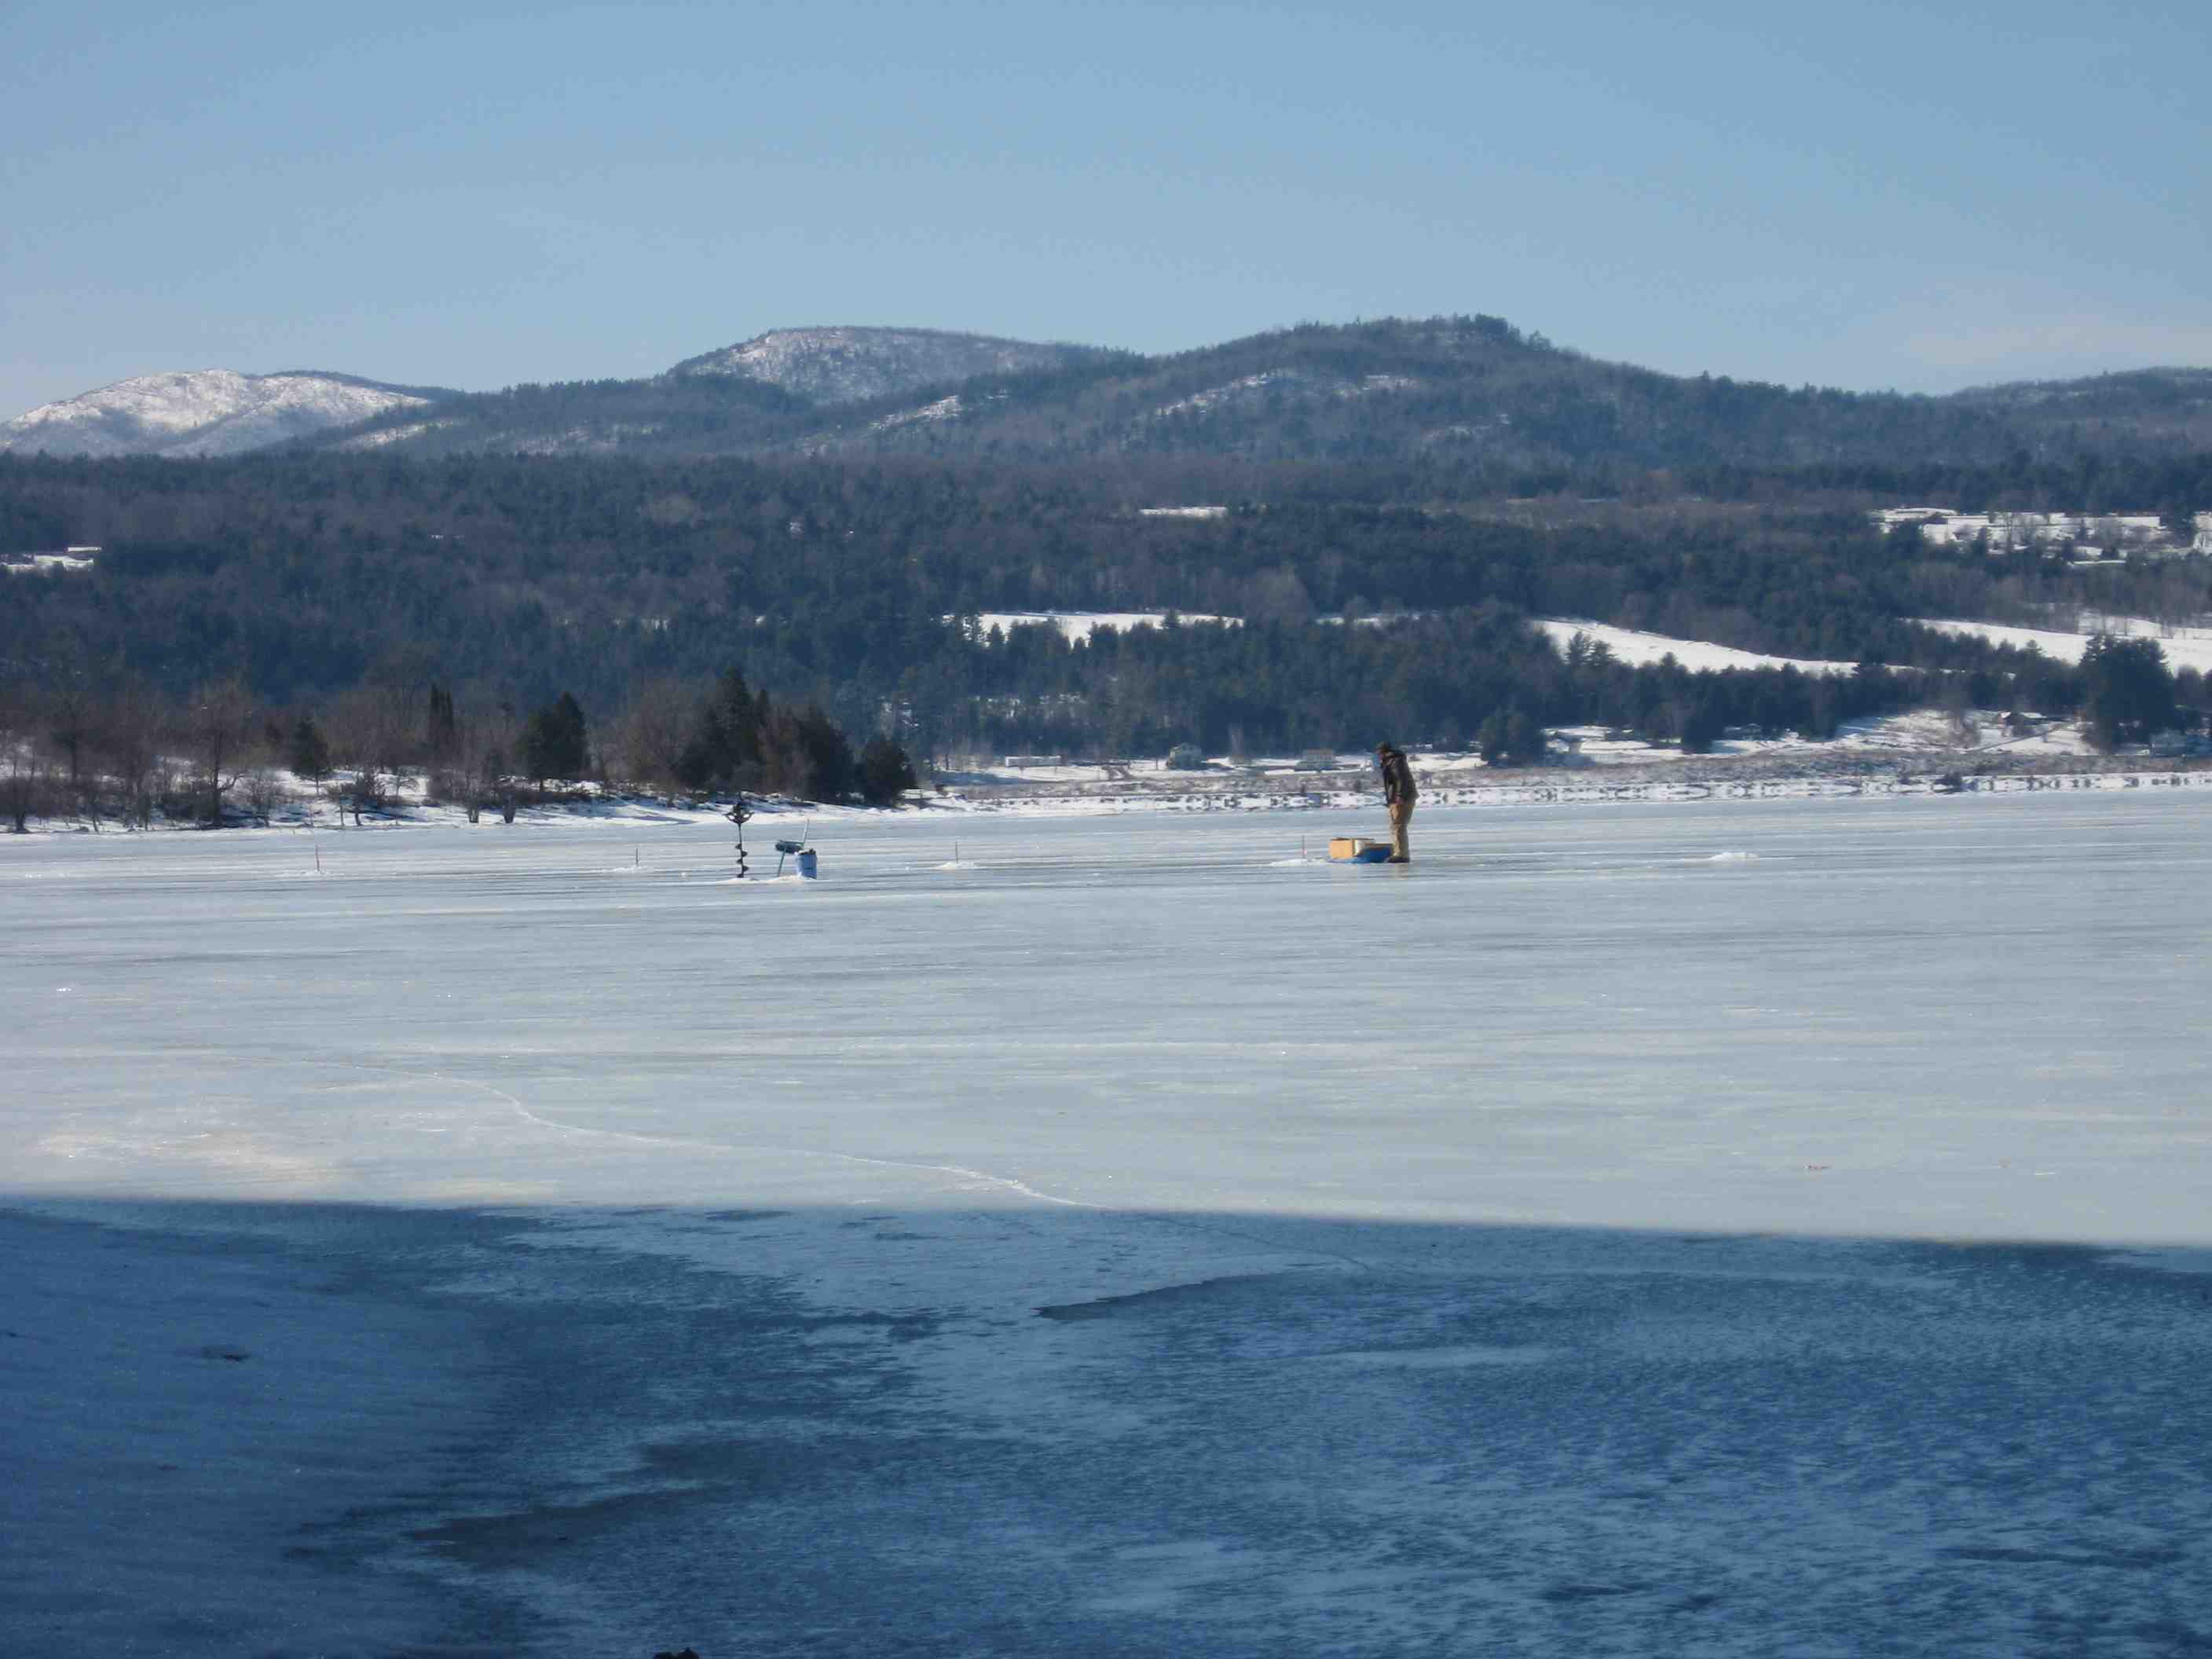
<point x="1402" y="813"/>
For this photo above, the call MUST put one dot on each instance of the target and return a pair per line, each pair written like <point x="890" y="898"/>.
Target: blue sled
<point x="1358" y="849"/>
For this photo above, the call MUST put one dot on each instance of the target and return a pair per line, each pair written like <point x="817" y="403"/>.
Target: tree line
<point x="100" y="752"/>
<point x="99" y="749"/>
<point x="346" y="587"/>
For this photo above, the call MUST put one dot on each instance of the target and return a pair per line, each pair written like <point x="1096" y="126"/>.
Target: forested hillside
<point x="332" y="582"/>
<point x="1461" y="399"/>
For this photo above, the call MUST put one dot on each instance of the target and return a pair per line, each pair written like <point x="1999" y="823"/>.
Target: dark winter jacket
<point x="1397" y="779"/>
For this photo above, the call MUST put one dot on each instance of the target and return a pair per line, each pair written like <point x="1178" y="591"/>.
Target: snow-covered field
<point x="1733" y="1230"/>
<point x="1076" y="625"/>
<point x="1638" y="649"/>
<point x="1919" y="731"/>
<point x="2185" y="647"/>
<point x="1627" y="644"/>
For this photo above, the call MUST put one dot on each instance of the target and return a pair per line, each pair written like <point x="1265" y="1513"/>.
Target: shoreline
<point x="1727" y="777"/>
<point x="1752" y="779"/>
<point x="1749" y="777"/>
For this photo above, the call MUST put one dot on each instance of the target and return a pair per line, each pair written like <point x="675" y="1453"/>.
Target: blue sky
<point x="468" y="194"/>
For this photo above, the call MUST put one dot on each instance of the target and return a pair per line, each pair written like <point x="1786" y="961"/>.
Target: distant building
<point x="2107" y="535"/>
<point x="74" y="558"/>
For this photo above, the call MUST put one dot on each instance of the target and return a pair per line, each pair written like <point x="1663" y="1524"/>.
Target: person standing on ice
<point x="1398" y="795"/>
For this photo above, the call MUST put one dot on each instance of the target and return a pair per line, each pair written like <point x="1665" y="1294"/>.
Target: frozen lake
<point x="1625" y="1230"/>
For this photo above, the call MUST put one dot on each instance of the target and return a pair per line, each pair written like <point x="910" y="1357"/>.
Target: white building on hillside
<point x="2106" y="535"/>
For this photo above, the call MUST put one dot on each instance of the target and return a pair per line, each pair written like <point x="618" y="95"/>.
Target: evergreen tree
<point x="1510" y="738"/>
<point x="2127" y="691"/>
<point x="442" y="730"/>
<point x="307" y="752"/>
<point x="724" y="751"/>
<point x="555" y="743"/>
<point x="1701" y="724"/>
<point x="806" y="755"/>
<point x="885" y="772"/>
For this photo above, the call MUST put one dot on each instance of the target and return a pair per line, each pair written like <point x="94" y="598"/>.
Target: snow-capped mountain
<point x="850" y="365"/>
<point x="207" y="411"/>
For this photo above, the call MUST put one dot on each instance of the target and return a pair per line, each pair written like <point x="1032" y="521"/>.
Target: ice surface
<point x="1662" y="1228"/>
<point x="1561" y="1019"/>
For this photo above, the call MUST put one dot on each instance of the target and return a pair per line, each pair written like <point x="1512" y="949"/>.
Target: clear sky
<point x="1866" y="195"/>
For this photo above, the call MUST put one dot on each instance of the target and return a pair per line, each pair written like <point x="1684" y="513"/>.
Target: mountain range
<point x="1454" y="393"/>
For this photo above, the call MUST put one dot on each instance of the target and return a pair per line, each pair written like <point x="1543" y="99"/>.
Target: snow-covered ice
<point x="1731" y="1228"/>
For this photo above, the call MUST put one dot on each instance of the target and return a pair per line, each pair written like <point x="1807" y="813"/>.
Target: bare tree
<point x="371" y="731"/>
<point x="129" y="736"/>
<point x="71" y="721"/>
<point x="218" y="727"/>
<point x="262" y="791"/>
<point x="1278" y="595"/>
<point x="485" y="745"/>
<point x="23" y="785"/>
<point x="24" y="771"/>
<point x="649" y="735"/>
